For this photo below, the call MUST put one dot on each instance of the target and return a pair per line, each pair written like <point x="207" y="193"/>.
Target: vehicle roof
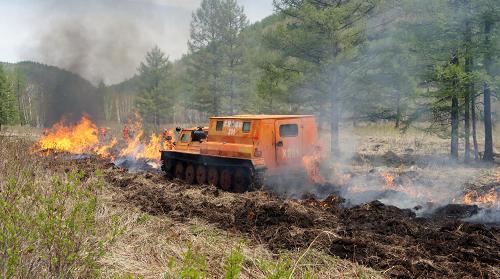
<point x="260" y="116"/>
<point x="194" y="129"/>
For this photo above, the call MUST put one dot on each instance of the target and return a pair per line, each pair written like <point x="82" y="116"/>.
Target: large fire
<point x="80" y="138"/>
<point x="86" y="137"/>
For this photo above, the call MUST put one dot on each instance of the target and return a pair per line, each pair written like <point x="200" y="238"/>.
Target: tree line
<point x="463" y="54"/>
<point x="9" y="104"/>
<point x="427" y="63"/>
<point x="40" y="95"/>
<point x="408" y="62"/>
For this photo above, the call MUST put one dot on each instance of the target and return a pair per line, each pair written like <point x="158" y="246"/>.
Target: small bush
<point x="233" y="263"/>
<point x="279" y="269"/>
<point x="193" y="264"/>
<point x="47" y="223"/>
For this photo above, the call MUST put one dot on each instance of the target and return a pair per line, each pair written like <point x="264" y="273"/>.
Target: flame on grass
<point x="137" y="149"/>
<point x="105" y="150"/>
<point x="312" y="164"/>
<point x="152" y="148"/>
<point x="83" y="137"/>
<point x="77" y="139"/>
<point x="489" y="199"/>
<point x="389" y="181"/>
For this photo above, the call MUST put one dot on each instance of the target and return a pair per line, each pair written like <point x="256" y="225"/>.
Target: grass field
<point x="65" y="222"/>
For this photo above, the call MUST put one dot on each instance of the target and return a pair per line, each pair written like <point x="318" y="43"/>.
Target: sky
<point x="100" y="39"/>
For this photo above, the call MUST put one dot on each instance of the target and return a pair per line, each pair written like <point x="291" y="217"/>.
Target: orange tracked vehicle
<point x="241" y="150"/>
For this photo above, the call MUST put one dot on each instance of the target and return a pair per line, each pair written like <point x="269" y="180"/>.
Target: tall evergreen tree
<point x="216" y="49"/>
<point x="18" y="86"/>
<point x="206" y="56"/>
<point x="233" y="23"/>
<point x="489" y="21"/>
<point x="321" y="34"/>
<point x="155" y="100"/>
<point x="442" y="46"/>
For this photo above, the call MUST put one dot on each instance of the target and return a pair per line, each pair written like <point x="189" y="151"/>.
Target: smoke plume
<point x="106" y="40"/>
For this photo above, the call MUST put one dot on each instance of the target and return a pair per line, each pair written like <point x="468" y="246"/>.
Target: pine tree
<point x="206" y="57"/>
<point x="18" y="87"/>
<point x="234" y="22"/>
<point x="322" y="34"/>
<point x="488" y="15"/>
<point x="155" y="100"/>
<point x="442" y="47"/>
<point x="216" y="60"/>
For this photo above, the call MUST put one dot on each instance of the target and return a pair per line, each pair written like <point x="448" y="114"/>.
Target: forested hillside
<point x="434" y="64"/>
<point x="43" y="94"/>
<point x="410" y="62"/>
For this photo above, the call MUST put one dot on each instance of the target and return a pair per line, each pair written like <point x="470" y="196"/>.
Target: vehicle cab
<point x="190" y="139"/>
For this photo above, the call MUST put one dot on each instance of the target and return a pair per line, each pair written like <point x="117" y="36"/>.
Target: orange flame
<point x="83" y="138"/>
<point x="134" y="144"/>
<point x="389" y="180"/>
<point x="490" y="199"/>
<point x="152" y="149"/>
<point x="80" y="138"/>
<point x="137" y="149"/>
<point x="312" y="164"/>
<point x="103" y="150"/>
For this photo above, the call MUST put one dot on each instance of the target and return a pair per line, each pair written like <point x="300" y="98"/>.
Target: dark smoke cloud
<point x="106" y="40"/>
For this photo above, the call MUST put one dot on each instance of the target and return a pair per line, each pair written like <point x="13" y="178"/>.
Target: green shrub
<point x="47" y="226"/>
<point x="193" y="264"/>
<point x="233" y="263"/>
<point x="279" y="269"/>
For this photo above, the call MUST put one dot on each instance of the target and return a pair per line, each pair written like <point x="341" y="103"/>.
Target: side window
<point x="219" y="125"/>
<point x="289" y="130"/>
<point x="246" y="127"/>
<point x="185" y="137"/>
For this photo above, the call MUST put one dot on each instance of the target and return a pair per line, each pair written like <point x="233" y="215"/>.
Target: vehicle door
<point x="183" y="142"/>
<point x="288" y="142"/>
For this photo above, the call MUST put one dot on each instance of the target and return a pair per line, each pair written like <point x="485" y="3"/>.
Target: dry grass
<point x="138" y="245"/>
<point x="28" y="132"/>
<point x="147" y="244"/>
<point x="417" y="140"/>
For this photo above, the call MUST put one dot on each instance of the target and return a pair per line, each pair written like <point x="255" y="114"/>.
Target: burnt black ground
<point x="383" y="237"/>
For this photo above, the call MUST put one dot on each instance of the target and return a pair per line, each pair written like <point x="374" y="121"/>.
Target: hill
<point x="50" y="93"/>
